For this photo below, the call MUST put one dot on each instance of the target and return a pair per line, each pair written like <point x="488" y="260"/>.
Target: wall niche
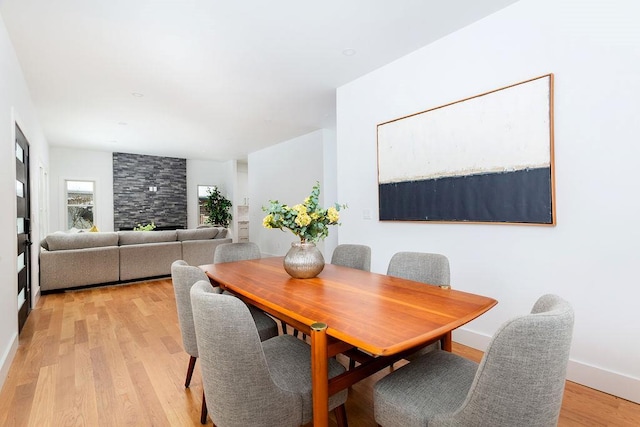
<point x="149" y="189"/>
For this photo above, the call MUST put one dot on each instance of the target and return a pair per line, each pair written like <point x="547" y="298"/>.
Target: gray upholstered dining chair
<point x="353" y="256"/>
<point x="229" y="252"/>
<point x="519" y="382"/>
<point x="428" y="268"/>
<point x="432" y="269"/>
<point x="249" y="383"/>
<point x="183" y="277"/>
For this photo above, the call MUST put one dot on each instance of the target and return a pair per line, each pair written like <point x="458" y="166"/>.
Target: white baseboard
<point x="471" y="339"/>
<point x="7" y="358"/>
<point x="606" y="381"/>
<point x="590" y="376"/>
<point x="12" y="348"/>
<point x="36" y="297"/>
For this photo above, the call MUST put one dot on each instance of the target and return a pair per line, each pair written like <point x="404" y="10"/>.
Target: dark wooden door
<point x="24" y="228"/>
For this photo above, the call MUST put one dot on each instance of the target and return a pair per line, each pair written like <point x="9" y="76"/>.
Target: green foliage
<point x="80" y="211"/>
<point x="219" y="208"/>
<point x="149" y="227"/>
<point x="80" y="217"/>
<point x="308" y="220"/>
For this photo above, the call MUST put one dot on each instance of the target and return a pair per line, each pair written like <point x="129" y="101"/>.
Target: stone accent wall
<point x="134" y="203"/>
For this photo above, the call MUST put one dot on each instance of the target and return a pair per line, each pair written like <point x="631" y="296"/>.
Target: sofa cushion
<point x="79" y="267"/>
<point x="198" y="252"/>
<point x="197" y="234"/>
<point x="139" y="237"/>
<point x="65" y="241"/>
<point x="45" y="244"/>
<point x="150" y="260"/>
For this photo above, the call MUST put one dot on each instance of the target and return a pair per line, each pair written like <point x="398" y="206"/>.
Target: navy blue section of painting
<point x="522" y="196"/>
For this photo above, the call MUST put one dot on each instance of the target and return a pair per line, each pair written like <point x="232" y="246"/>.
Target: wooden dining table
<point x="373" y="318"/>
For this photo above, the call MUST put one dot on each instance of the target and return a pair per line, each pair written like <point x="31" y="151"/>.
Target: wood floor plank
<point x="23" y="399"/>
<point x="107" y="402"/>
<point x="113" y="356"/>
<point x="85" y="401"/>
<point x="44" y="396"/>
<point x="30" y="365"/>
<point x="153" y="410"/>
<point x="80" y="331"/>
<point x="171" y="344"/>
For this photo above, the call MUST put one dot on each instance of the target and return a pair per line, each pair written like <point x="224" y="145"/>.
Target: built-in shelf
<point x="243" y="213"/>
<point x="243" y="231"/>
<point x="243" y="223"/>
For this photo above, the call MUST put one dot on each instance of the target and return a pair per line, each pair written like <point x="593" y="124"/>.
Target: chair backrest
<point x="521" y="377"/>
<point x="421" y="267"/>
<point x="183" y="277"/>
<point x="228" y="252"/>
<point x="354" y="256"/>
<point x="235" y="373"/>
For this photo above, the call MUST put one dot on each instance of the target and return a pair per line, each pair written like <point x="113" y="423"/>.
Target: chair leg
<point x="204" y="411"/>
<point x="341" y="416"/>
<point x="192" y="364"/>
<point x="352" y="364"/>
<point x="302" y="335"/>
<point x="284" y="327"/>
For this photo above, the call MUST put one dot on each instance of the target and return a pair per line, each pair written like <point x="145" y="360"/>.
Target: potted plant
<point x="148" y="227"/>
<point x="219" y="208"/>
<point x="310" y="223"/>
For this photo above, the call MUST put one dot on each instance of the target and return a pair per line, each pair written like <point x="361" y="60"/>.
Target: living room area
<point x="588" y="257"/>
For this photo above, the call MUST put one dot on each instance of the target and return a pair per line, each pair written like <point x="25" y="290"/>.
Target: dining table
<point x="374" y="318"/>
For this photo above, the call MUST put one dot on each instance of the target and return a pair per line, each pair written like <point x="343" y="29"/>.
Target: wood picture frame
<point x="484" y="159"/>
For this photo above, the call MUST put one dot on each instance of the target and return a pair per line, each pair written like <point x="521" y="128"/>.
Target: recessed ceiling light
<point x="349" y="52"/>
<point x="137" y="95"/>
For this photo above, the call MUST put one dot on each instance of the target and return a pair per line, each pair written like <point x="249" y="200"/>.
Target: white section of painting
<point x="505" y="130"/>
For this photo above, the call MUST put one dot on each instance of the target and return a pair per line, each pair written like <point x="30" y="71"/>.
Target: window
<point x="80" y="204"/>
<point x="203" y="195"/>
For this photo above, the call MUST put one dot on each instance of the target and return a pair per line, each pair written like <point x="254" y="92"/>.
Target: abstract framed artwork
<point x="487" y="158"/>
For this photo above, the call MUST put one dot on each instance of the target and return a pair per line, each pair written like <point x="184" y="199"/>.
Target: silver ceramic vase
<point x="303" y="261"/>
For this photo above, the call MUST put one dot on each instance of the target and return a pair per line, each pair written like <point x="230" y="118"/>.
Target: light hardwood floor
<point x="113" y="357"/>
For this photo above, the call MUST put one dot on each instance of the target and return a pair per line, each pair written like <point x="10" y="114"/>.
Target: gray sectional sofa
<point x="71" y="260"/>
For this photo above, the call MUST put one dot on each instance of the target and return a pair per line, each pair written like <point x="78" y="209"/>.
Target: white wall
<point x="81" y="165"/>
<point x="243" y="183"/>
<point x="590" y="257"/>
<point x="15" y="106"/>
<point x="287" y="172"/>
<point x="231" y="193"/>
<point x="330" y="187"/>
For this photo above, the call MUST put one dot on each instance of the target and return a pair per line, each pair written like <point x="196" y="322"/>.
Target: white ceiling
<point x="219" y="79"/>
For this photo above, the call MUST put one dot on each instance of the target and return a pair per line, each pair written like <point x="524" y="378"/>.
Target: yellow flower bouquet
<point x="308" y="220"/>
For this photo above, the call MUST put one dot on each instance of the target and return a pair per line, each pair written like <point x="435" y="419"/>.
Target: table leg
<point x="446" y="342"/>
<point x="320" y="375"/>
